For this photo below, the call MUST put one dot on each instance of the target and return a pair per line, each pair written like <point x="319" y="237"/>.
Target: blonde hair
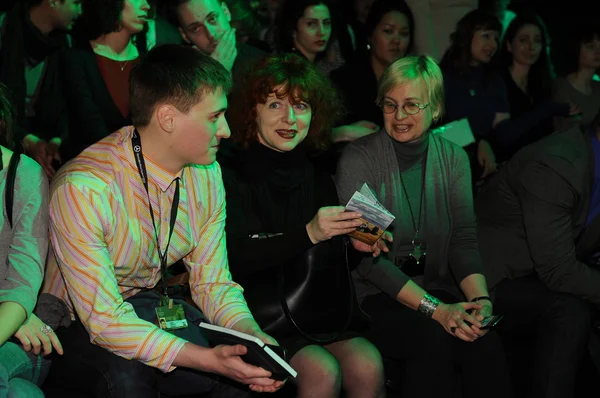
<point x="413" y="68"/>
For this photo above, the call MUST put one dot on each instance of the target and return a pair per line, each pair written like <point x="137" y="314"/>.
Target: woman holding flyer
<point x="427" y="296"/>
<point x="279" y="205"/>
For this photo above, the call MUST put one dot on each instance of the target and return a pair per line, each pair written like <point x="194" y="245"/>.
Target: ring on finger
<point x="46" y="329"/>
<point x="453" y="329"/>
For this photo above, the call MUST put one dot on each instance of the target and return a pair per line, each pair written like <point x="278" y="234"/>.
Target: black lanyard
<point x="141" y="165"/>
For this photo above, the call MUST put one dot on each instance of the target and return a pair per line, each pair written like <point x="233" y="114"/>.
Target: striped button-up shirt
<point x="104" y="246"/>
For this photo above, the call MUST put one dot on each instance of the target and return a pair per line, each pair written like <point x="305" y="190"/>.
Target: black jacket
<point x="531" y="217"/>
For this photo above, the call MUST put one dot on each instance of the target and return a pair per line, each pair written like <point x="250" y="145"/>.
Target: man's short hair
<point x="173" y="74"/>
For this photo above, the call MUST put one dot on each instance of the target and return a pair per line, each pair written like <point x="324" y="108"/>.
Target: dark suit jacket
<point x="531" y="216"/>
<point x="92" y="112"/>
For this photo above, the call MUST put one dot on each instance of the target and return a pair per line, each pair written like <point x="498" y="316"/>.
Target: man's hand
<point x="36" y="336"/>
<point x="226" y="50"/>
<point x="249" y="326"/>
<point x="226" y="360"/>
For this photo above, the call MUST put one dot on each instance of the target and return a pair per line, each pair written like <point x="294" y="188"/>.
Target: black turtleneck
<point x="276" y="193"/>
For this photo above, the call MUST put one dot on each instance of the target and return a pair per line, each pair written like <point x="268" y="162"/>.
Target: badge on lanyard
<point x="171" y="316"/>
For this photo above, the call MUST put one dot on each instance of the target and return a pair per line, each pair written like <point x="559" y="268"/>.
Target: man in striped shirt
<point x="112" y="236"/>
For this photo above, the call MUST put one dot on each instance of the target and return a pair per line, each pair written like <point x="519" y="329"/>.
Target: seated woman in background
<point x="23" y="247"/>
<point x="526" y="70"/>
<point x="472" y="88"/>
<point x="389" y="28"/>
<point x="577" y="85"/>
<point x="96" y="76"/>
<point x="280" y="113"/>
<point x="433" y="265"/>
<point x="309" y="28"/>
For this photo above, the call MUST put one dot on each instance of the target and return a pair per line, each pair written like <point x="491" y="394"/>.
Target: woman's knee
<point x="361" y="362"/>
<point x="318" y="369"/>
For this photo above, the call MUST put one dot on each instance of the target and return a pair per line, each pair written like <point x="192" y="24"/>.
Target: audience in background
<point x="525" y="68"/>
<point x="96" y="76"/>
<point x="205" y="24"/>
<point x="434" y="23"/>
<point x="577" y="86"/>
<point x="33" y="34"/>
<point x="473" y="90"/>
<point x="308" y="28"/>
<point x="389" y="30"/>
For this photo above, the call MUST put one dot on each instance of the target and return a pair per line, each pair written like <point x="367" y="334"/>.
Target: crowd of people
<point x="172" y="162"/>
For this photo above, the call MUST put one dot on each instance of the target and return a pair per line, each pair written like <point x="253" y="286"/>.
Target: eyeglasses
<point x="410" y="108"/>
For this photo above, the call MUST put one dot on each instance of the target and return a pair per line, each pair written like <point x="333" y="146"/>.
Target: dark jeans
<point x="432" y="356"/>
<point x="554" y="327"/>
<point x="89" y="369"/>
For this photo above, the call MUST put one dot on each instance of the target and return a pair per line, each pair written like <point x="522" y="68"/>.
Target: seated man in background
<point x="125" y="210"/>
<point x="539" y="233"/>
<point x="205" y="24"/>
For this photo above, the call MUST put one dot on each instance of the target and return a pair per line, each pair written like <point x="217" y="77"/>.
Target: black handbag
<point x="312" y="294"/>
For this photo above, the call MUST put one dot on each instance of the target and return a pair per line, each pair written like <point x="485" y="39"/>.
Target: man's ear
<point x="226" y="11"/>
<point x="184" y="36"/>
<point x="166" y="117"/>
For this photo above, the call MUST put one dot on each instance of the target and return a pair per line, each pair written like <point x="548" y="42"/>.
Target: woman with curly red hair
<point x="279" y="205"/>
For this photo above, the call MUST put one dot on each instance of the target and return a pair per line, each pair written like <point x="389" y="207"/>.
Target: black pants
<point x="88" y="369"/>
<point x="432" y="356"/>
<point x="551" y="328"/>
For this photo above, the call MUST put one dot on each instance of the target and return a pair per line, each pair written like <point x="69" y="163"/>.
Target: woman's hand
<point x="485" y="311"/>
<point x="331" y="221"/>
<point x="486" y="158"/>
<point x="453" y="316"/>
<point x="36" y="336"/>
<point x="375" y="249"/>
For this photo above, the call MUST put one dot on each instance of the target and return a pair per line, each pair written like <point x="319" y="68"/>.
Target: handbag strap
<point x="11" y="174"/>
<point x="288" y="313"/>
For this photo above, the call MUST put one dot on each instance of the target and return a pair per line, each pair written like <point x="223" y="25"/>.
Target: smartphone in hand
<point x="488" y="322"/>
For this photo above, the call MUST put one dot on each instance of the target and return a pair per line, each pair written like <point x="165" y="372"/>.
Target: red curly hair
<point x="295" y="77"/>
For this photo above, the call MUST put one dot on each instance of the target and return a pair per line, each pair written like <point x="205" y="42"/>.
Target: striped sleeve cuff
<point x="232" y="313"/>
<point x="159" y="349"/>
